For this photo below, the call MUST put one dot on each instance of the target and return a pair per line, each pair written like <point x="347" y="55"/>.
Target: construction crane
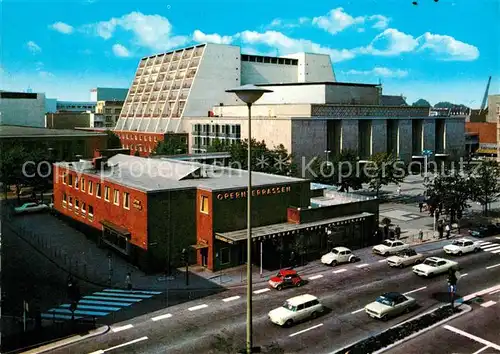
<point x="485" y="97"/>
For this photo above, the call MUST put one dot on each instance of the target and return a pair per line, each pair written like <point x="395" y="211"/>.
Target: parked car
<point x="461" y="246"/>
<point x="296" y="309"/>
<point x="389" y="247"/>
<point x="286" y="278"/>
<point x="31" y="207"/>
<point x="339" y="255"/>
<point x="390" y="305"/>
<point x="433" y="266"/>
<point x="485" y="230"/>
<point x="405" y="258"/>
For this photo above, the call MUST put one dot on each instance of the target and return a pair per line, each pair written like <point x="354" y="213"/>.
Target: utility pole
<point x="185" y="259"/>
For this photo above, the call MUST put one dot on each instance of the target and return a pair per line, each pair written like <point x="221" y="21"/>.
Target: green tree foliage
<point x="444" y="104"/>
<point x="12" y="159"/>
<point x="485" y="186"/>
<point x="113" y="140"/>
<point x="383" y="169"/>
<point x="170" y="147"/>
<point x="219" y="145"/>
<point x="421" y="103"/>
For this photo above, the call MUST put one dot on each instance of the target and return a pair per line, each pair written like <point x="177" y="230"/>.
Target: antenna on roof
<point x="277" y="52"/>
<point x="380" y="81"/>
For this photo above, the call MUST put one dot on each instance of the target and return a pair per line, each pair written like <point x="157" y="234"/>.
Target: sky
<point x="440" y="51"/>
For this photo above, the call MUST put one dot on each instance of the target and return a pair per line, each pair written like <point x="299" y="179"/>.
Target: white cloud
<point x="150" y="31"/>
<point x="45" y="74"/>
<point x="390" y="42"/>
<point x="287" y="45"/>
<point x="379" y="72"/>
<point x="62" y="27"/>
<point x="120" y="51"/>
<point x="336" y="21"/>
<point x="33" y="47"/>
<point x="303" y="20"/>
<point x="201" y="37"/>
<point x="278" y="22"/>
<point x="447" y="47"/>
<point x="381" y="22"/>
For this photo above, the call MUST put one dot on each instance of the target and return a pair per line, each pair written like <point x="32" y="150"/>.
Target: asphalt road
<point x="191" y="327"/>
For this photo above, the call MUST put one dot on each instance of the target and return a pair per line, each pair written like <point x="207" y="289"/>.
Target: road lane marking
<point x="161" y="317"/>
<point x="498" y="237"/>
<point x="491" y="248"/>
<point x="354" y="312"/>
<point x="481" y="350"/>
<point x="414" y="291"/>
<point x="339" y="271"/>
<point x="362" y="265"/>
<point x="497" y="251"/>
<point x="120" y="345"/>
<point x="484" y="243"/>
<point x="463" y="275"/>
<point x="494" y="292"/>
<point x="261" y="291"/>
<point x="199" y="307"/>
<point x="471" y="336"/>
<point x="122" y="328"/>
<point x="305" y="330"/>
<point x="489" y="303"/>
<point x="382" y="260"/>
<point x="493" y="266"/>
<point x="232" y="298"/>
<point x="316" y="277"/>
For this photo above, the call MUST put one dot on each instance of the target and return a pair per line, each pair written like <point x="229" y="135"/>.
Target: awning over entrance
<point x="118" y="229"/>
<point x="286" y="229"/>
<point x="200" y="245"/>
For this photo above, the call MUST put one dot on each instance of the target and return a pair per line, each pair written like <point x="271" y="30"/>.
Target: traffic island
<point x="404" y="331"/>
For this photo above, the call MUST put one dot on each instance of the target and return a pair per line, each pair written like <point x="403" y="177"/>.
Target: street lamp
<point x="249" y="94"/>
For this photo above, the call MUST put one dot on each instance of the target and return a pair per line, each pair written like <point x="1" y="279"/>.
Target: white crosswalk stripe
<point x="491" y="247"/>
<point x="484" y="243"/>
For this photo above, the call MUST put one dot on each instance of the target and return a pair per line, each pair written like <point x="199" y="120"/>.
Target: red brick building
<point x="145" y="143"/>
<point x="151" y="209"/>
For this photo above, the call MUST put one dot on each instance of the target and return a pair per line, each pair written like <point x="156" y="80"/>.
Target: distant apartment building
<point x="110" y="111"/>
<point x="75" y="106"/>
<point x="68" y="120"/>
<point x="493" y="102"/>
<point x="22" y="108"/>
<point x="108" y="94"/>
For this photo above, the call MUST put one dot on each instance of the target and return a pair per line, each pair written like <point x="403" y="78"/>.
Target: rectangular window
<point x="83" y="208"/>
<point x="83" y="184"/>
<point x="204" y="204"/>
<point x="91" y="212"/>
<point x="126" y="200"/>
<point x="116" y="197"/>
<point x="64" y="176"/>
<point x="106" y="193"/>
<point x="98" y="190"/>
<point x="70" y="201"/>
<point x="76" y="182"/>
<point x="64" y="200"/>
<point x="91" y="187"/>
<point x="225" y="256"/>
<point x="70" y="179"/>
<point x="77" y="206"/>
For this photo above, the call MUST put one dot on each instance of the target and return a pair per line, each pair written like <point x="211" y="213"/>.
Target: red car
<point x="286" y="278"/>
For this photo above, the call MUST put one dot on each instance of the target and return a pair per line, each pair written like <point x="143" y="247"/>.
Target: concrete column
<point x="379" y="136"/>
<point x="349" y="135"/>
<point x="429" y="135"/>
<point x="405" y="142"/>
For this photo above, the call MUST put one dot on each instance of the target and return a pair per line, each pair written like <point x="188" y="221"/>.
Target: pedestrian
<point x="128" y="281"/>
<point x="420" y="206"/>
<point x="448" y="231"/>
<point x="398" y="232"/>
<point x="399" y="190"/>
<point x="420" y="235"/>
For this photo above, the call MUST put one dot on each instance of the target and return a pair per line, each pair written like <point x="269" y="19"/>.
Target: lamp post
<point x="249" y="94"/>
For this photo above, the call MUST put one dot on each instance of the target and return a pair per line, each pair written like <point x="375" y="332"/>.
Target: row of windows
<point x="80" y="184"/>
<point x="138" y="137"/>
<point x="138" y="147"/>
<point x="80" y="208"/>
<point x="204" y="141"/>
<point x="216" y="128"/>
<point x="270" y="60"/>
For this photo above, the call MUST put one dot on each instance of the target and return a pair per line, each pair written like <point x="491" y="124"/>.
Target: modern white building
<point x="22" y="109"/>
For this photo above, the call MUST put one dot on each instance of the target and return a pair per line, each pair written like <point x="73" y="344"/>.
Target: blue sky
<point x="438" y="51"/>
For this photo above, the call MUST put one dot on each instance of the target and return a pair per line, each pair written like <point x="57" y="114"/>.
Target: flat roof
<point x="332" y="83"/>
<point x="285" y="229"/>
<point x="153" y="175"/>
<point x="19" y="131"/>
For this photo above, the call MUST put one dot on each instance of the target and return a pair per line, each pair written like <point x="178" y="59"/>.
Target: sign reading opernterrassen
<point x="255" y="192"/>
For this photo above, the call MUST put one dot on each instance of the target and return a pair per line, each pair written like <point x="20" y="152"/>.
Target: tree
<point x="170" y="147"/>
<point x="12" y="159"/>
<point x="382" y="169"/>
<point x="421" y="103"/>
<point x="113" y="140"/>
<point x="444" y="104"/>
<point x="218" y="145"/>
<point x="485" y="186"/>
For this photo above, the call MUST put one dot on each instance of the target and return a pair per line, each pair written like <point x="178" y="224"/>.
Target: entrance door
<point x="204" y="257"/>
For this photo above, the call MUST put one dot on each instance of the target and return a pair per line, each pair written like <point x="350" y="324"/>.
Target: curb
<point x="466" y="309"/>
<point x="67" y="341"/>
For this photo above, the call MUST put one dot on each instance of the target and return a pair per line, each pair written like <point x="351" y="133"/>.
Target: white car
<point x="405" y="258"/>
<point x="296" y="309"/>
<point x="339" y="255"/>
<point x="390" y="305"/>
<point x="390" y="247"/>
<point x="30" y="208"/>
<point x="433" y="266"/>
<point x="461" y="246"/>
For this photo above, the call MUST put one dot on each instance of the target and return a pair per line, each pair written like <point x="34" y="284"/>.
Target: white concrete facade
<point x="20" y="108"/>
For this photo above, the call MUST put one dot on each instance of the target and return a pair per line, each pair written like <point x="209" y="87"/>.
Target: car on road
<point x="405" y="258"/>
<point x="485" y="230"/>
<point x="286" y="278"/>
<point x="389" y="247"/>
<point x="339" y="255"/>
<point x="462" y="246"/>
<point x="31" y="207"/>
<point x="390" y="305"/>
<point x="296" y="309"/>
<point x="433" y="266"/>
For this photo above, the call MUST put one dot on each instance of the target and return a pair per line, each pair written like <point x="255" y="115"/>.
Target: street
<point x="345" y="290"/>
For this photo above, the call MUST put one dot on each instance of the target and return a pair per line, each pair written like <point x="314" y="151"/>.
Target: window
<point x="76" y="182"/>
<point x="77" y="204"/>
<point x="116" y="197"/>
<point x="64" y="176"/>
<point x="98" y="190"/>
<point x="64" y="199"/>
<point x="126" y="200"/>
<point x="91" y="187"/>
<point x="225" y="256"/>
<point x="106" y="193"/>
<point x="204" y="204"/>
<point x="70" y="179"/>
<point x="83" y="184"/>
<point x="91" y="212"/>
<point x="70" y="201"/>
<point x="83" y="208"/>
